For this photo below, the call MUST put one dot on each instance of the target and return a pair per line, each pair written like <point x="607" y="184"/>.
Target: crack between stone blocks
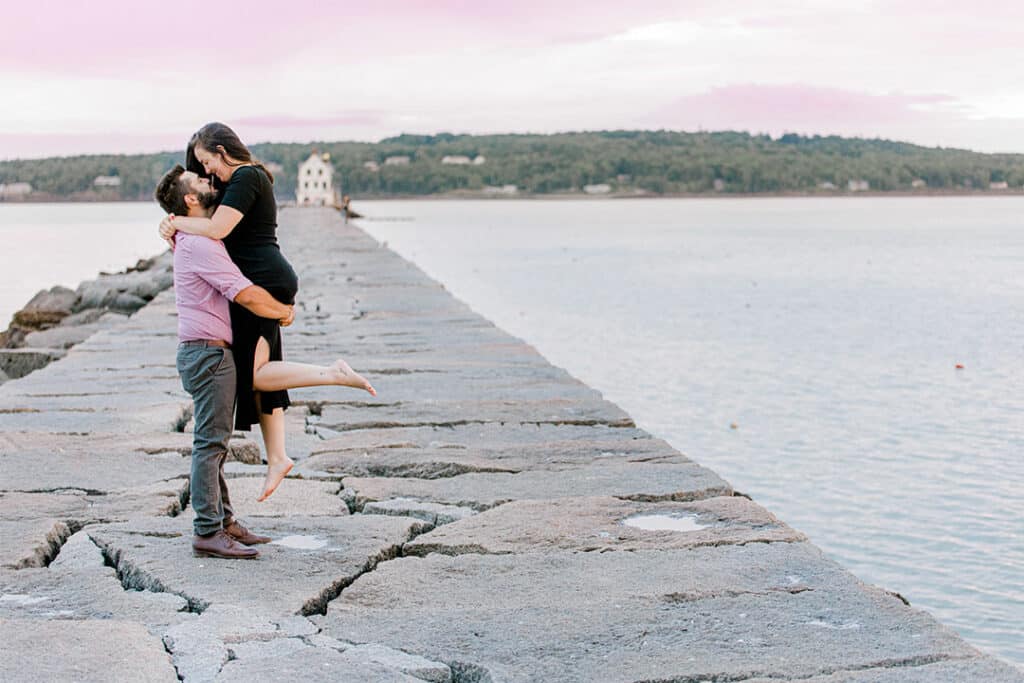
<point x="170" y="653"/>
<point x="9" y="411"/>
<point x="476" y="549"/>
<point x="184" y="496"/>
<point x="466" y="672"/>
<point x="429" y="471"/>
<point x="359" y="426"/>
<point x="455" y="551"/>
<point x="897" y="663"/>
<point x="882" y="665"/>
<point x="183" y="451"/>
<point x="184" y="415"/>
<point x="134" y="578"/>
<point x="677" y="497"/>
<point x="73" y="395"/>
<point x="682" y="598"/>
<point x="402" y="371"/>
<point x="60" y="490"/>
<point x="318" y="406"/>
<point x="319" y="605"/>
<point x="356" y="504"/>
<point x="64" y="529"/>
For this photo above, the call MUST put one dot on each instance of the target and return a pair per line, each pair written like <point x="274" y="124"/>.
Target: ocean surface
<point x="804" y="349"/>
<point x="807" y="350"/>
<point x="65" y="244"/>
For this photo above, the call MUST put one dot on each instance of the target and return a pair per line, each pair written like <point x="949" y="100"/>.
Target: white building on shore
<point x="316" y="181"/>
<point x="107" y="181"/>
<point x="15" y="190"/>
<point x="501" y="190"/>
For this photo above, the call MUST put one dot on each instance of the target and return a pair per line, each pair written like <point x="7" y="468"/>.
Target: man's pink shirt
<point x="205" y="280"/>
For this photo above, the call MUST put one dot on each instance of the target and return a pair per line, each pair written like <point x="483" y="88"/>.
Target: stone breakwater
<point x="54" y="320"/>
<point x="487" y="518"/>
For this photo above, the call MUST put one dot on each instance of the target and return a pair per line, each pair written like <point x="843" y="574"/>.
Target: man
<point x="205" y="279"/>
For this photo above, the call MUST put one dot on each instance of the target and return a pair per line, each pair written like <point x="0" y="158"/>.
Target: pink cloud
<point x="353" y="118"/>
<point x="801" y="108"/>
<point x="38" y="145"/>
<point x="109" y="37"/>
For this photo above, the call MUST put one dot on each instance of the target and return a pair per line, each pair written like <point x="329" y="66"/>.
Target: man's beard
<point x="207" y="200"/>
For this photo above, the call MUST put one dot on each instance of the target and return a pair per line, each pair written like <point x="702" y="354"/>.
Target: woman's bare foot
<point x="348" y="377"/>
<point x="276" y="473"/>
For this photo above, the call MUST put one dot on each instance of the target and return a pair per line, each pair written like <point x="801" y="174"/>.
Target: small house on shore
<point x="501" y="190"/>
<point x="315" y="181"/>
<point x="10" y="190"/>
<point x="108" y="181"/>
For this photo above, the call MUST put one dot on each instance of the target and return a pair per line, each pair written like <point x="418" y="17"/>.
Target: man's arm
<point x="209" y="259"/>
<point x="216" y="227"/>
<point x="259" y="302"/>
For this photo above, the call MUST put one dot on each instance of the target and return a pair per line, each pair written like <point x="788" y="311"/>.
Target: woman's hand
<point x="290" y="318"/>
<point x="167" y="229"/>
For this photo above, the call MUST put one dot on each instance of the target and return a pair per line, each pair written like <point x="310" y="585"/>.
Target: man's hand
<point x="290" y="318"/>
<point x="167" y="229"/>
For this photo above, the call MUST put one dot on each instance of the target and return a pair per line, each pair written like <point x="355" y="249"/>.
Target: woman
<point x="246" y="220"/>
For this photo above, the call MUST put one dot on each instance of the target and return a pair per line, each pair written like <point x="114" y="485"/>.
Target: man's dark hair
<point x="171" y="190"/>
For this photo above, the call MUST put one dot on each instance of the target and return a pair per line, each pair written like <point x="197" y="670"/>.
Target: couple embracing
<point x="234" y="291"/>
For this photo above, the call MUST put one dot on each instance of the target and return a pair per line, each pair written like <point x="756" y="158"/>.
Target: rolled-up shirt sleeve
<point x="210" y="261"/>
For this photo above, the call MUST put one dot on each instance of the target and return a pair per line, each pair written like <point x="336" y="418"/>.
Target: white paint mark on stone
<point x="665" y="522"/>
<point x="302" y="542"/>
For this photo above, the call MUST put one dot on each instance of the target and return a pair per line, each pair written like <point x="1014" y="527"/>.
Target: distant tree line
<point x="651" y="162"/>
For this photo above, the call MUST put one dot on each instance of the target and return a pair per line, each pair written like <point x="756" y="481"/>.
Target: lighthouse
<point x="316" y="181"/>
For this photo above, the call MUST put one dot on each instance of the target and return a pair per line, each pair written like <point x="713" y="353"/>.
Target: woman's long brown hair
<point x="214" y="135"/>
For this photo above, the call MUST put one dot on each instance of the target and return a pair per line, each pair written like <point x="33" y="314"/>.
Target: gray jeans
<point x="208" y="374"/>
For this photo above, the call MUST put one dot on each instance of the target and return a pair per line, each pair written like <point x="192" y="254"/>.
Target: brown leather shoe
<point x="243" y="535"/>
<point x="220" y="544"/>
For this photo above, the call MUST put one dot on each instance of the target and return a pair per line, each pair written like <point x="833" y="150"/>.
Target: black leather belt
<point x="207" y="342"/>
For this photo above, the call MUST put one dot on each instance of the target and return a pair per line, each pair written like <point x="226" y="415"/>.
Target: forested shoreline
<point x="629" y="163"/>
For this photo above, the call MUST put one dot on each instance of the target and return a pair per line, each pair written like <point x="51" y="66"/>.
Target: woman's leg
<point x="278" y="462"/>
<point x="272" y="426"/>
<point x="277" y="375"/>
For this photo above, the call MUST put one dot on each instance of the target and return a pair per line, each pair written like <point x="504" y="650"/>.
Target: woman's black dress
<point x="252" y="245"/>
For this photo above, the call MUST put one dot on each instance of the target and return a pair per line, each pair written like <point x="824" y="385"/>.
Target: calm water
<point x="64" y="244"/>
<point x="827" y="331"/>
<point x="804" y="349"/>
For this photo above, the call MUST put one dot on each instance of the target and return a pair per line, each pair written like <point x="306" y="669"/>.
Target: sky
<point x="124" y="76"/>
